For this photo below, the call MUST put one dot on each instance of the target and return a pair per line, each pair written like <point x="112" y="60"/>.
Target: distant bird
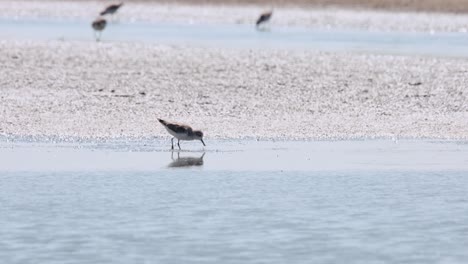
<point x="264" y="18"/>
<point x="111" y="9"/>
<point x="99" y="25"/>
<point x="181" y="132"/>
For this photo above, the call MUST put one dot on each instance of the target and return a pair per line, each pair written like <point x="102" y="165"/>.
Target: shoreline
<point x="118" y="89"/>
<point x="323" y="18"/>
<point x="235" y="155"/>
<point x="66" y="139"/>
<point x="107" y="89"/>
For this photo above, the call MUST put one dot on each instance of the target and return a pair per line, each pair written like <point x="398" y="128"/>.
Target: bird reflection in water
<point x="180" y="162"/>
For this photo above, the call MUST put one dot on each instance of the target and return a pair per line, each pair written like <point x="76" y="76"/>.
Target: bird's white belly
<point x="180" y="136"/>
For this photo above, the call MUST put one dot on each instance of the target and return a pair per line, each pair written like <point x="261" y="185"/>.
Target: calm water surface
<point x="189" y="214"/>
<point x="244" y="36"/>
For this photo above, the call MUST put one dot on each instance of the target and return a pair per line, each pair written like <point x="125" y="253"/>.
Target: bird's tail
<point x="162" y="121"/>
<point x="103" y="13"/>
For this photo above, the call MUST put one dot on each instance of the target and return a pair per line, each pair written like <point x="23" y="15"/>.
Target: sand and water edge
<point x="66" y="88"/>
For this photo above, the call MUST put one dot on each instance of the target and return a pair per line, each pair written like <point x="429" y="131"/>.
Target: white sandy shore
<point x="323" y="18"/>
<point x="65" y="89"/>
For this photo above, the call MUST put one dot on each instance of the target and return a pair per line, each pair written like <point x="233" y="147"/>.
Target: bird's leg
<point x="172" y="142"/>
<point x="178" y="143"/>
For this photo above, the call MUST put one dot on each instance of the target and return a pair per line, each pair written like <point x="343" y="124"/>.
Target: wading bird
<point x="110" y="10"/>
<point x="181" y="132"/>
<point x="264" y="18"/>
<point x="98" y="25"/>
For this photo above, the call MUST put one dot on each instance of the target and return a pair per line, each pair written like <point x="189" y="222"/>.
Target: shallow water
<point x="359" y="202"/>
<point x="234" y="217"/>
<point x="233" y="155"/>
<point x="244" y="36"/>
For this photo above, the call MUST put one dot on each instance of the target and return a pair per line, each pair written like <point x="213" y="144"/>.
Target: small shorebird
<point x="111" y="9"/>
<point x="181" y="132"/>
<point x="98" y="25"/>
<point x="264" y="18"/>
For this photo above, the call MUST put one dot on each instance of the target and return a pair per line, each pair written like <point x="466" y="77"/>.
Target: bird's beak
<point x="202" y="142"/>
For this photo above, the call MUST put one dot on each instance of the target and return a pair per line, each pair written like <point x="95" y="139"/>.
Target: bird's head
<point x="199" y="135"/>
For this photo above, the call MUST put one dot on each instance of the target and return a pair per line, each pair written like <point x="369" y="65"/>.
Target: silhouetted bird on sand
<point x="264" y="17"/>
<point x="181" y="132"/>
<point x="99" y="25"/>
<point x="110" y="10"/>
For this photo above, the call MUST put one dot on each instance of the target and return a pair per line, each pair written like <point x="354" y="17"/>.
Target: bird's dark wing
<point x="99" y="24"/>
<point x="260" y="19"/>
<point x="264" y="17"/>
<point x="179" y="128"/>
<point x="110" y="9"/>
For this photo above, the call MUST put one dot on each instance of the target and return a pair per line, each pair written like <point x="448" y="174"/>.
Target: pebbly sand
<point x="87" y="89"/>
<point x="80" y="89"/>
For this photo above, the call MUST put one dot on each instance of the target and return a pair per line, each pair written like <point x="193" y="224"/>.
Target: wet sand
<point x="119" y="89"/>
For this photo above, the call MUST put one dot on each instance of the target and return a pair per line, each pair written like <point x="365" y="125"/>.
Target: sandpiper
<point x="99" y="25"/>
<point x="264" y="17"/>
<point x="181" y="132"/>
<point x="111" y="9"/>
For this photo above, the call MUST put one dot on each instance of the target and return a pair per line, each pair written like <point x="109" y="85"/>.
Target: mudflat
<point x="120" y="89"/>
